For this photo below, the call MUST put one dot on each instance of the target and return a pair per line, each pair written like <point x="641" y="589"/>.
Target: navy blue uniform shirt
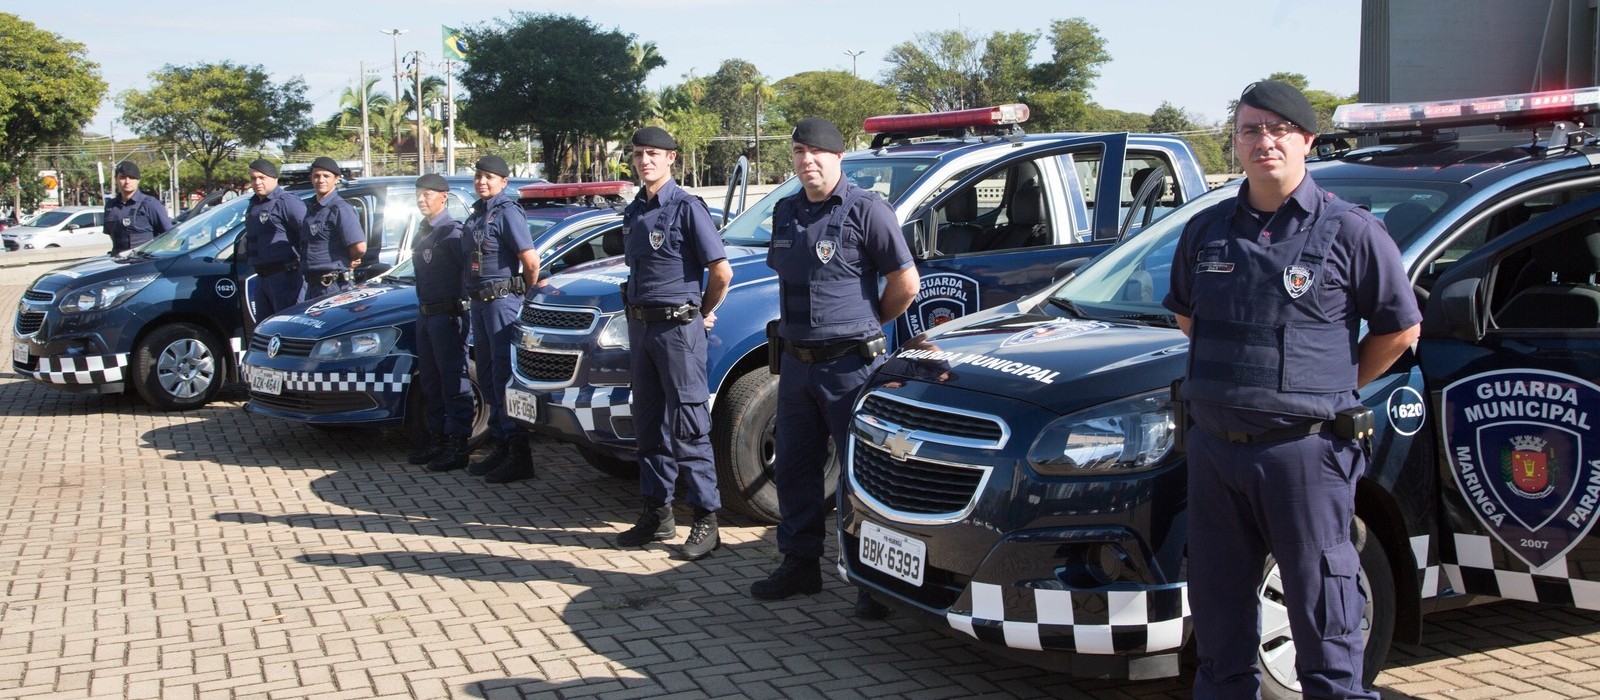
<point x="441" y="266"/>
<point x="497" y="228"/>
<point x="332" y="226"/>
<point x="273" y="228"/>
<point x="133" y="222"/>
<point x="669" y="241"/>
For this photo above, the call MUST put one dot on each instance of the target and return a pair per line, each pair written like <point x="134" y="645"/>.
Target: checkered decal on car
<point x="92" y="369"/>
<point x="594" y="405"/>
<point x="1474" y="571"/>
<point x="394" y="381"/>
<point x="237" y="344"/>
<point x="1112" y="622"/>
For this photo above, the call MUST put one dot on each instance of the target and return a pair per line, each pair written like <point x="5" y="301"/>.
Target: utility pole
<point x="853" y="55"/>
<point x="450" y="118"/>
<point x="366" y="141"/>
<point x="416" y="95"/>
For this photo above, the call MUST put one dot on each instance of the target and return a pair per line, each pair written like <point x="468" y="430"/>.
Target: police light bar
<point x="562" y="190"/>
<point x="1550" y="106"/>
<point x="984" y="116"/>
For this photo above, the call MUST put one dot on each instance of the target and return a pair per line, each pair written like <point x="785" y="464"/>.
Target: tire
<point x="414" y="430"/>
<point x="1276" y="652"/>
<point x="178" y="367"/>
<point x="742" y="438"/>
<point x="608" y="465"/>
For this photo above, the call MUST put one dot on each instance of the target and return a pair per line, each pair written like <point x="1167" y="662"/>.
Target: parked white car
<point x="63" y="227"/>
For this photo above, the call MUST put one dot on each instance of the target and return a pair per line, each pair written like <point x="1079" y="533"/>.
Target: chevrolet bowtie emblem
<point x="900" y="445"/>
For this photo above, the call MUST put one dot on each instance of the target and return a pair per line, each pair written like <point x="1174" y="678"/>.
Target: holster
<point x="774" y="348"/>
<point x="1354" y="424"/>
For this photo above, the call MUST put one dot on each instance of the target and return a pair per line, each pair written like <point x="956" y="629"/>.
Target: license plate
<point x="522" y="405"/>
<point x="266" y="381"/>
<point x="19" y="352"/>
<point x="898" y="555"/>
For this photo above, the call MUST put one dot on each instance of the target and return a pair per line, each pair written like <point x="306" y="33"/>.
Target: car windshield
<point x="200" y="230"/>
<point x="404" y="273"/>
<point x="889" y="177"/>
<point x="50" y="218"/>
<point x="1130" y="280"/>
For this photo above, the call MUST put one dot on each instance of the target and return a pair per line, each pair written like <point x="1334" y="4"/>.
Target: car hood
<point x="1057" y="363"/>
<point x="100" y="268"/>
<point x="367" y="306"/>
<point x="596" y="284"/>
<point x="29" y="230"/>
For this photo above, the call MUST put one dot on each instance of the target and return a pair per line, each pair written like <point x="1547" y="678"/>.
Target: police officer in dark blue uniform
<point x="334" y="241"/>
<point x="441" y="329"/>
<point x="133" y="217"/>
<point x="1271" y="288"/>
<point x="670" y="241"/>
<point x="502" y="265"/>
<point x="273" y="228"/>
<point x="831" y="243"/>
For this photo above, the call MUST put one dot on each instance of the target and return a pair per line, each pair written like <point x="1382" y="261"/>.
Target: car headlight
<point x="370" y="343"/>
<point x="615" y="334"/>
<point x="105" y="295"/>
<point x="1127" y="435"/>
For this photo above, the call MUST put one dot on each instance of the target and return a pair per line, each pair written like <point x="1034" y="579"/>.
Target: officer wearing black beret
<point x="670" y="241"/>
<point x="441" y="330"/>
<point x="334" y="240"/>
<point x="502" y="265"/>
<point x="1277" y="446"/>
<point x="133" y="217"/>
<point x="274" y="226"/>
<point x="831" y="243"/>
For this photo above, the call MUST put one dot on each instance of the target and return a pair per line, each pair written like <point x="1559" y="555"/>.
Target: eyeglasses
<point x="1275" y="131"/>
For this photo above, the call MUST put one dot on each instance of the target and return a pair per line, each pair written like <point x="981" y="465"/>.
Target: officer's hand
<point x="710" y="319"/>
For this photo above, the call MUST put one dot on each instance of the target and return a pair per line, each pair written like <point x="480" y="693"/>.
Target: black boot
<point x="703" y="537"/>
<point x="435" y="446"/>
<point x="794" y="576"/>
<point x="454" y="456"/>
<point x="656" y="523"/>
<point x="867" y="608"/>
<point x="518" y="464"/>
<point x="492" y="461"/>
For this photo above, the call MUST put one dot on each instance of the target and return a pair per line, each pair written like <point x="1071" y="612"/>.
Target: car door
<point x="999" y="231"/>
<point x="1510" y="353"/>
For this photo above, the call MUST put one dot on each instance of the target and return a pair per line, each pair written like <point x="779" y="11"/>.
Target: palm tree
<point x="349" y="116"/>
<point x="433" y="90"/>
<point x="761" y="90"/>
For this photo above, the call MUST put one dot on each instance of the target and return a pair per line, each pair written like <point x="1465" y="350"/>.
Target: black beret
<point x="326" y="163"/>
<point x="654" y="137"/>
<point x="128" y="168"/>
<point x="432" y="182"/>
<point x="265" y="167"/>
<point x="494" y="165"/>
<point x="817" y="132"/>
<point x="1281" y="99"/>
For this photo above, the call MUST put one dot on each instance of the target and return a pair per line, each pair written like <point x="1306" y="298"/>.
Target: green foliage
<point x="1006" y="75"/>
<point x="835" y="95"/>
<point x="1077" y="52"/>
<point x="693" y="127"/>
<point x="212" y="110"/>
<point x="1105" y="119"/>
<point x="326" y="140"/>
<point x="49" y="90"/>
<point x="1208" y="148"/>
<point x="1168" y="119"/>
<point x="937" y="71"/>
<point x="722" y="98"/>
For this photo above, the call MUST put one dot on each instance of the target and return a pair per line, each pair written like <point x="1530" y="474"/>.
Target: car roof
<point x="946" y="147"/>
<point x="1446" y="161"/>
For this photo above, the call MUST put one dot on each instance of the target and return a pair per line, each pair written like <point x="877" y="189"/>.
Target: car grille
<point x="913" y="417"/>
<point x="913" y="486"/>
<point x="316" y="404"/>
<point x="29" y="322"/>
<point x="546" y="317"/>
<point x="36" y="295"/>
<point x="294" y="347"/>
<point x="546" y="366"/>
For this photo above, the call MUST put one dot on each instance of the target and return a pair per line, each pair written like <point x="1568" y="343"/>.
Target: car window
<point x="891" y="178"/>
<point x="83" y="220"/>
<point x="1137" y="170"/>
<point x="457" y="206"/>
<point x="1504" y="215"/>
<point x="586" y="251"/>
<point x="1552" y="283"/>
<point x="1004" y="211"/>
<point x="200" y="230"/>
<point x="50" y="218"/>
<point x="1085" y="167"/>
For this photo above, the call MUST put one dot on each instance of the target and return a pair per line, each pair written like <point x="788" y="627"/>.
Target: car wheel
<point x="1279" y="681"/>
<point x="177" y="367"/>
<point x="414" y="427"/>
<point x="608" y="465"/>
<point x="743" y="439"/>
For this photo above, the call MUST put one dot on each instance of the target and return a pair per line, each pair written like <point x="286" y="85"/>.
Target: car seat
<point x="961" y="215"/>
<point x="1558" y="286"/>
<point x="1025" y="224"/>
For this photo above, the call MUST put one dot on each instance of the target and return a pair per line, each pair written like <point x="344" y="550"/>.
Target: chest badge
<point x="427" y="255"/>
<point x="825" y="249"/>
<point x="263" y="217"/>
<point x="656" y="238"/>
<point x="1296" y="280"/>
<point x="126" y="221"/>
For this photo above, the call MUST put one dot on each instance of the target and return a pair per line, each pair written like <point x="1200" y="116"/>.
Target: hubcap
<point x="1277" y="655"/>
<point x="185" y="368"/>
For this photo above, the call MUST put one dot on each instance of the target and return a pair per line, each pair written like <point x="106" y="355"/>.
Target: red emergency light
<point x="1548" y="106"/>
<point x="938" y="121"/>
<point x="562" y="190"/>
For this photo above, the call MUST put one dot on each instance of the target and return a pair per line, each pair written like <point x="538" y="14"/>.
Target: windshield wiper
<point x="1159" y="320"/>
<point x="1068" y="306"/>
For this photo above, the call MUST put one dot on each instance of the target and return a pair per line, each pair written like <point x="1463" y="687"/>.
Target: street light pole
<point x="394" y="36"/>
<point x="366" y="141"/>
<point x="416" y="75"/>
<point x="853" y="55"/>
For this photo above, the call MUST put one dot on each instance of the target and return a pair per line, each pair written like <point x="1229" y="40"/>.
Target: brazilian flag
<point x="455" y="45"/>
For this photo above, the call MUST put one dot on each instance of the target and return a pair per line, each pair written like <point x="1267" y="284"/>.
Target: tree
<point x="213" y="109"/>
<point x="836" y="95"/>
<point x="1006" y="75"/>
<point x="937" y="71"/>
<point x="49" y="90"/>
<point x="758" y="90"/>
<point x="733" y="114"/>
<point x="1169" y="119"/>
<point x="1078" y="51"/>
<point x="523" y="77"/>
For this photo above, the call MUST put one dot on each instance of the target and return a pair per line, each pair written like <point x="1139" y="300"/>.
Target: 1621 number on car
<point x="899" y="555"/>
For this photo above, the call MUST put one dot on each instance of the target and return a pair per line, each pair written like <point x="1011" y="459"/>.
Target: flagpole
<point x="450" y="116"/>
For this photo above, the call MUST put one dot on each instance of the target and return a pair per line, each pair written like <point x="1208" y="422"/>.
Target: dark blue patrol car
<point x="1012" y="475"/>
<point x="990" y="214"/>
<point x="350" y="359"/>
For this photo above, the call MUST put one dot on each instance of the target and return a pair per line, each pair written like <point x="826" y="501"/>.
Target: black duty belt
<point x="654" y="314"/>
<point x="867" y="348"/>
<point x="494" y="289"/>
<point x="1275" y="434"/>
<point x="269" y="269"/>
<point x="454" y="307"/>
<point x="328" y="278"/>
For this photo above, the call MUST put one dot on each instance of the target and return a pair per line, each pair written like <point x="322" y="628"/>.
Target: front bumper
<point x="370" y="391"/>
<point x="581" y="389"/>
<point x="69" y="353"/>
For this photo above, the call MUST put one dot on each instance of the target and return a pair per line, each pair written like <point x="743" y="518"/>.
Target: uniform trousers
<point x="315" y="288"/>
<point x="492" y="337"/>
<point x="816" y="402"/>
<point x="1294" y="499"/>
<point x="671" y="411"/>
<point x="276" y="292"/>
<point x="442" y="371"/>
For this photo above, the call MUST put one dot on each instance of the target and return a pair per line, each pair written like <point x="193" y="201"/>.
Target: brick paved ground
<point x="221" y="554"/>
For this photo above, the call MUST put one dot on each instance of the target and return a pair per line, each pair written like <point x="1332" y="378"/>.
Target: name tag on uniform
<point x="1214" y="267"/>
<point x="783" y="242"/>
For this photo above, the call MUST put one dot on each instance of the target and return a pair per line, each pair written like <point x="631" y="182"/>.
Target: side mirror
<point x="916" y="233"/>
<point x="72" y="227"/>
<point x="1457" y="311"/>
<point x="1066" y="269"/>
<point x="367" y="272"/>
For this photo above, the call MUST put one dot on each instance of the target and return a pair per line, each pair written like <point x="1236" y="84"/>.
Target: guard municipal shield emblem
<point x="263" y="217"/>
<point x="656" y="238"/>
<point x="127" y="221"/>
<point x="825" y="250"/>
<point x="427" y="255"/>
<point x="1296" y="280"/>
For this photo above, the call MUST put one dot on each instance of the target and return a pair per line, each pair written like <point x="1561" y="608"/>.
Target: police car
<point x="1012" y="476"/>
<point x="350" y="358"/>
<point x="168" y="320"/>
<point x="989" y="211"/>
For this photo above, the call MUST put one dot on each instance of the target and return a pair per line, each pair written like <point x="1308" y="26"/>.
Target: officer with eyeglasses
<point x="1271" y="288"/>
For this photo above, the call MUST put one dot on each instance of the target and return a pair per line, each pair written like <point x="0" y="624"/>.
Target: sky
<point x="1196" y="55"/>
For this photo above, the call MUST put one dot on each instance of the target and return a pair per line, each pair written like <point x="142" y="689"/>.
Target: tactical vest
<point x="436" y="255"/>
<point x="659" y="266"/>
<point x="1260" y="337"/>
<point x="826" y="291"/>
<point x="476" y="230"/>
<point x="271" y="237"/>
